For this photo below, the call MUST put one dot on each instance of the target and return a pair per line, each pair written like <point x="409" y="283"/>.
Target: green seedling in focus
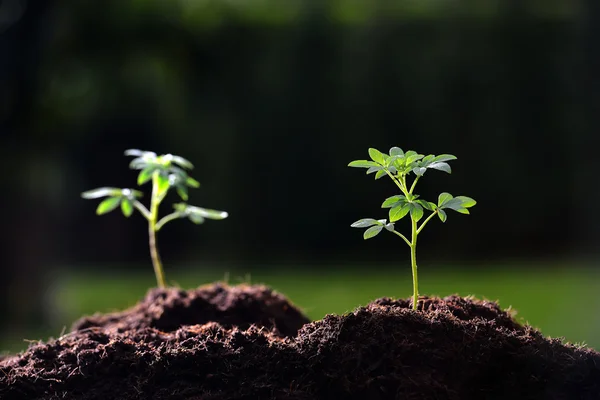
<point x="166" y="172"/>
<point x="399" y="165"/>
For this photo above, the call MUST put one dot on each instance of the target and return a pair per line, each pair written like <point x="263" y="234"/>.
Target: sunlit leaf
<point x="145" y="175"/>
<point x="372" y="232"/>
<point x="203" y="212"/>
<point x="444" y="157"/>
<point x="427" y="205"/>
<point x="126" y="207"/>
<point x="419" y="171"/>
<point x="442" y="215"/>
<point x="391" y="201"/>
<point x="363" y="164"/>
<point x="101" y="192"/>
<point x="441" y="166"/>
<point x="443" y="198"/>
<point x="182" y="192"/>
<point x="399" y="212"/>
<point x="413" y="158"/>
<point x="416" y="211"/>
<point x="191" y="182"/>
<point x="376" y="156"/>
<point x="374" y="169"/>
<point x="396" y="151"/>
<point x="467" y="202"/>
<point x="163" y="184"/>
<point x="364" y="223"/>
<point x="195" y="218"/>
<point x="107" y="205"/>
<point x="182" y="162"/>
<point x="379" y="174"/>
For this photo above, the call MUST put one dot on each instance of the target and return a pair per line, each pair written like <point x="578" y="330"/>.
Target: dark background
<point x="270" y="100"/>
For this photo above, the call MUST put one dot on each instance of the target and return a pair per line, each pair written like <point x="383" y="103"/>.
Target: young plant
<point x="166" y="172"/>
<point x="398" y="165"/>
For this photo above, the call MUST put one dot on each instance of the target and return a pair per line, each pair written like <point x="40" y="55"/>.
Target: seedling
<point x="398" y="165"/>
<point x="166" y="172"/>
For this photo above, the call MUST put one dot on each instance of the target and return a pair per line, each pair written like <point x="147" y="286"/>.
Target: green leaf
<point x="416" y="211"/>
<point x="379" y="174"/>
<point x="462" y="210"/>
<point x="427" y="205"/>
<point x="140" y="153"/>
<point x="396" y="151"/>
<point x="444" y="157"/>
<point x="443" y="198"/>
<point x="454" y="204"/>
<point x="195" y="218"/>
<point x="203" y="212"/>
<point x="467" y="202"/>
<point x="374" y="169"/>
<point x="365" y="223"/>
<point x="107" y="205"/>
<point x="413" y="158"/>
<point x="441" y="166"/>
<point x="182" y="162"/>
<point x="101" y="192"/>
<point x="389" y="227"/>
<point x="419" y="171"/>
<point x="427" y="160"/>
<point x="390" y="201"/>
<point x="442" y="215"/>
<point x="376" y="156"/>
<point x="191" y="182"/>
<point x="363" y="164"/>
<point x="163" y="183"/>
<point x="399" y="212"/>
<point x="126" y="207"/>
<point x="372" y="232"/>
<point x="145" y="175"/>
<point x="131" y="194"/>
<point x="182" y="192"/>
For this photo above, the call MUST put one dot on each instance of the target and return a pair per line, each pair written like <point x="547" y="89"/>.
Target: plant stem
<point x="167" y="218"/>
<point x="426" y="221"/>
<point x="403" y="237"/>
<point x="156" y="262"/>
<point x="413" y="261"/>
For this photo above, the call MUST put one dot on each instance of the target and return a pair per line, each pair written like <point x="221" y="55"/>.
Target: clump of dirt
<point x="169" y="309"/>
<point x="451" y="348"/>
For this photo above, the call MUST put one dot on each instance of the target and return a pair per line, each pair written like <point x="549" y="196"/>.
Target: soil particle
<point x="452" y="348"/>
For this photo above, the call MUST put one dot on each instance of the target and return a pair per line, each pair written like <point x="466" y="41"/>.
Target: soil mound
<point x="452" y="349"/>
<point x="169" y="309"/>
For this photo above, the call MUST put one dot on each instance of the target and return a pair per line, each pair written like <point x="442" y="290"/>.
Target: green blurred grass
<point x="560" y="300"/>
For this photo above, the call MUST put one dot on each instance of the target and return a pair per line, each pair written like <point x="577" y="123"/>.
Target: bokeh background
<point x="271" y="99"/>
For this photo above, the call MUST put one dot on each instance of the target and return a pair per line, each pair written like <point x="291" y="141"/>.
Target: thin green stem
<point x="426" y="221"/>
<point x="413" y="261"/>
<point x="403" y="237"/>
<point x="156" y="262"/>
<point x="167" y="218"/>
<point x="142" y="209"/>
<point x="414" y="184"/>
<point x="397" y="181"/>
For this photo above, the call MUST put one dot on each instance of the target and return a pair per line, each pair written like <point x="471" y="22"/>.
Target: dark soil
<point x="169" y="309"/>
<point x="452" y="348"/>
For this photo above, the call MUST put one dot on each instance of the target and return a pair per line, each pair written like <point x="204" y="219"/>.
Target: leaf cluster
<point x="123" y="197"/>
<point x="399" y="165"/>
<point x="399" y="162"/>
<point x="170" y="171"/>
